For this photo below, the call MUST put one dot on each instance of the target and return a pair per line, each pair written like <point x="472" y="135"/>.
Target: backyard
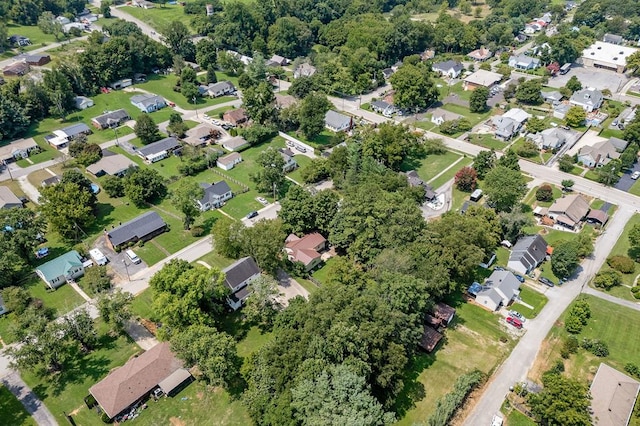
<point x="531" y="297"/>
<point x="431" y="376"/>
<point x="163" y="85"/>
<point x="432" y="165"/>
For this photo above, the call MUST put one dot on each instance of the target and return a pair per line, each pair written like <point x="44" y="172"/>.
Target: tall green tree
<point x="478" y="100"/>
<point x="573" y="84"/>
<point x="49" y="25"/>
<point x="413" y="87"/>
<point x="270" y="175"/>
<point x="227" y="237"/>
<point x="176" y="36"/>
<point x="562" y="401"/>
<point x="509" y="160"/>
<point x="504" y="187"/>
<point x="565" y="259"/>
<point x="43" y="350"/>
<point x="115" y="309"/>
<point x="311" y="113"/>
<point x="14" y="120"/>
<point x="185" y="198"/>
<point x="146" y="129"/>
<point x="528" y="92"/>
<point x="79" y="326"/>
<point x="575" y="117"/>
<point x="289" y="37"/>
<point x="21" y="229"/>
<point x="265" y="243"/>
<point x="68" y="209"/>
<point x="390" y="144"/>
<point x="142" y="186"/>
<point x="259" y="102"/>
<point x="484" y="162"/>
<point x="263" y="305"/>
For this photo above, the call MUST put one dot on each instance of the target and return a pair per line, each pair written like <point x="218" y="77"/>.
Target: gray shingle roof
<point x="335" y="119"/>
<point x="215" y="191"/>
<point x="529" y="250"/>
<point x="111" y="117"/>
<point x="137" y="228"/>
<point x="240" y="271"/>
<point x="76" y="129"/>
<point x="166" y="144"/>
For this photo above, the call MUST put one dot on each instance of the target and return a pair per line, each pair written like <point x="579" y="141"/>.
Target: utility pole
<point x="126" y="267"/>
<point x="194" y="103"/>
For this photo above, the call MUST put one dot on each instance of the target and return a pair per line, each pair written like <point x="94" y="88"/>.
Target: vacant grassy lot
<point x="449" y="174"/>
<point x="430" y="166"/>
<point x="323" y="139"/>
<point x="610" y="323"/>
<point x="160" y="16"/>
<point x="302" y="161"/>
<point x="472" y="341"/>
<point x="533" y="298"/>
<point x="487" y="141"/>
<point x="163" y="85"/>
<point x="66" y="392"/>
<point x="11" y="410"/>
<point x="622" y="248"/>
<point x="474" y="118"/>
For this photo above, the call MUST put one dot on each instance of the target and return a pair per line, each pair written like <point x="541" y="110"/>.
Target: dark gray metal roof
<point x="240" y="271"/>
<point x="137" y="228"/>
<point x="166" y="144"/>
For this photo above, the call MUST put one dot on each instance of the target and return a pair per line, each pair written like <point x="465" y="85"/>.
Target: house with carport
<point x="141" y="228"/>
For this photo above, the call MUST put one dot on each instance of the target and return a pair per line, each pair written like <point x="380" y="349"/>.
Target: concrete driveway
<point x="289" y="288"/>
<point x="117" y="261"/>
<point x="268" y="212"/>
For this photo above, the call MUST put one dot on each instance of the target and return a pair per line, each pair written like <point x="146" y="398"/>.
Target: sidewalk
<point x="29" y="400"/>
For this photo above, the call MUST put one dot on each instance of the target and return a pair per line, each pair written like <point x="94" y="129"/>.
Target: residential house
<point x="588" y="99"/>
<point x="509" y="123"/>
<point x="613" y="396"/>
<point x="246" y="60"/>
<point x="34" y="59"/>
<point x="214" y="196"/>
<point x="159" y="150"/>
<point x="552" y="138"/>
<point x="499" y="290"/>
<point x="62" y="269"/>
<point x="527" y="254"/>
<point x="285" y="101"/>
<point x="229" y="161"/>
<point x="110" y="119"/>
<point x="552" y="97"/>
<point x="16" y="69"/>
<point x="481" y="78"/>
<point x="451" y="69"/>
<point x="289" y="162"/>
<point x="439" y="116"/>
<point x="569" y="210"/>
<point x="280" y="60"/>
<point x="220" y="88"/>
<point x="145" y="4"/>
<point x="414" y="180"/>
<point x="601" y="153"/>
<point x="305" y="250"/>
<point x="613" y="39"/>
<point x="626" y="117"/>
<point x="63" y="20"/>
<point x="200" y="135"/>
<point x="480" y="55"/>
<point x="61" y="138"/>
<point x="112" y="165"/>
<point x="71" y="25"/>
<point x="235" y="117"/>
<point x="238" y="277"/>
<point x="524" y="62"/>
<point x="531" y="28"/>
<point x="157" y="368"/>
<point x="381" y="107"/>
<point x="148" y="102"/>
<point x="9" y="200"/>
<point x="82" y="102"/>
<point x="236" y="143"/>
<point x="121" y="84"/>
<point x="337" y="122"/>
<point x="193" y="66"/>
<point x="560" y="110"/>
<point x="607" y="56"/>
<point x="429" y="339"/>
<point x="50" y="181"/>
<point x="387" y="73"/>
<point x="141" y="228"/>
<point x="304" y="70"/>
<point x="17" y="149"/>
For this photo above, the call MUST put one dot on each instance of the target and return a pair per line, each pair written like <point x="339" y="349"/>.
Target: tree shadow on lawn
<point x="10" y="408"/>
<point x="103" y="218"/>
<point x="207" y="224"/>
<point x="413" y="390"/>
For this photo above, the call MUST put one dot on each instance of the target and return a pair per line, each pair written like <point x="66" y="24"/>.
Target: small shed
<point x="430" y="339"/>
<point x="597" y="217"/>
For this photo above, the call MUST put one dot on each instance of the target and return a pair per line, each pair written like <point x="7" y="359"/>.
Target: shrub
<point x="596" y="347"/>
<point x="528" y="150"/>
<point x="569" y="346"/>
<point x="449" y="404"/>
<point x="544" y="193"/>
<point x="632" y="369"/>
<point x="607" y="279"/>
<point x="466" y="179"/>
<point x="623" y="264"/>
<point x="578" y="316"/>
<point x="113" y="186"/>
<point x="557" y="368"/>
<point x="197" y="231"/>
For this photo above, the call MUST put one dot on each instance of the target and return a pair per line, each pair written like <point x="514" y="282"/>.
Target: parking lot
<point x="591" y="77"/>
<point x="117" y="261"/>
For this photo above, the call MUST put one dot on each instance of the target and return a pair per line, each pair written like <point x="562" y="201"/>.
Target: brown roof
<point x="444" y="311"/>
<point x="304" y="249"/>
<point x="429" y="339"/>
<point x="17" y="68"/>
<point x="598" y="216"/>
<point x="613" y="396"/>
<point x="575" y="207"/>
<point x="127" y="384"/>
<point x="235" y="116"/>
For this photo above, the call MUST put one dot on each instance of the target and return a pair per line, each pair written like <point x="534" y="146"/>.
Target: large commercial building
<point x="607" y="56"/>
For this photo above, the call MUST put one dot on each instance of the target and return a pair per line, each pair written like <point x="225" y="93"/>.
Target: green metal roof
<point x="60" y="265"/>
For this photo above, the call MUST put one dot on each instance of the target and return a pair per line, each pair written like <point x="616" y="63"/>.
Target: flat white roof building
<point x="607" y="56"/>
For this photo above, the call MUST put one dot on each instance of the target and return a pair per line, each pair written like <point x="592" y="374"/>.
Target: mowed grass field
<point x="472" y="341"/>
<point x="160" y="16"/>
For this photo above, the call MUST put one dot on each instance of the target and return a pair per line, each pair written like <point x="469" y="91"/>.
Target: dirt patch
<point x="177" y="422"/>
<point x="545" y="358"/>
<point x="150" y="326"/>
<point x="200" y="395"/>
<point x="74" y="412"/>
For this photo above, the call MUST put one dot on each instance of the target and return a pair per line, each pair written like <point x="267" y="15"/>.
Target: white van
<point x="98" y="257"/>
<point x="133" y="257"/>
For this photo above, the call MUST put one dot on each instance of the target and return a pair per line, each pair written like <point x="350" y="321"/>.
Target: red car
<point x="514" y="322"/>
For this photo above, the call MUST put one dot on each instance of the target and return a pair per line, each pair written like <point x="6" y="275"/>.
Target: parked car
<point x="546" y="282"/>
<point x="496" y="420"/>
<point x="635" y="175"/>
<point x="514" y="322"/>
<point x="252" y="214"/>
<point x="98" y="257"/>
<point x="262" y="201"/>
<point x="519" y="277"/>
<point x="498" y="268"/>
<point x="300" y="148"/>
<point x="518" y="315"/>
<point x="42" y="252"/>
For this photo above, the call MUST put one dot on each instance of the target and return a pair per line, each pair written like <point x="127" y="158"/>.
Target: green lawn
<point x="63" y="300"/>
<point x="308" y="285"/>
<point x="160" y="16"/>
<point x="321" y="274"/>
<point x="33" y="32"/>
<point x="253" y="340"/>
<point x="531" y="197"/>
<point x="472" y="341"/>
<point x="516" y="418"/>
<point x="429" y="167"/>
<point x="635" y="189"/>
<point x="302" y="161"/>
<point x="163" y="85"/>
<point x="66" y="393"/>
<point x="487" y="141"/>
<point x="42" y="156"/>
<point x="610" y="323"/>
<point x="323" y="139"/>
<point x="12" y="412"/>
<point x="474" y="118"/>
<point x="622" y="248"/>
<point x="141" y="305"/>
<point x="533" y="298"/>
<point x="449" y="174"/>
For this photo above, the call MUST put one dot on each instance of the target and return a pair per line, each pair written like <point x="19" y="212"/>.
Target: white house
<point x="527" y="254"/>
<point x="384" y="108"/>
<point x="61" y="138"/>
<point x="337" y="122"/>
<point x="304" y="70"/>
<point x="148" y="102"/>
<point x="238" y="277"/>
<point x="500" y="289"/>
<point x="82" y="102"/>
<point x="588" y="99"/>
<point x="451" y="69"/>
<point x="220" y="88"/>
<point x="289" y="162"/>
<point x="214" y="195"/>
<point x="236" y="143"/>
<point x="439" y="116"/>
<point x="63" y="268"/>
<point x="524" y="62"/>
<point x="229" y="161"/>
